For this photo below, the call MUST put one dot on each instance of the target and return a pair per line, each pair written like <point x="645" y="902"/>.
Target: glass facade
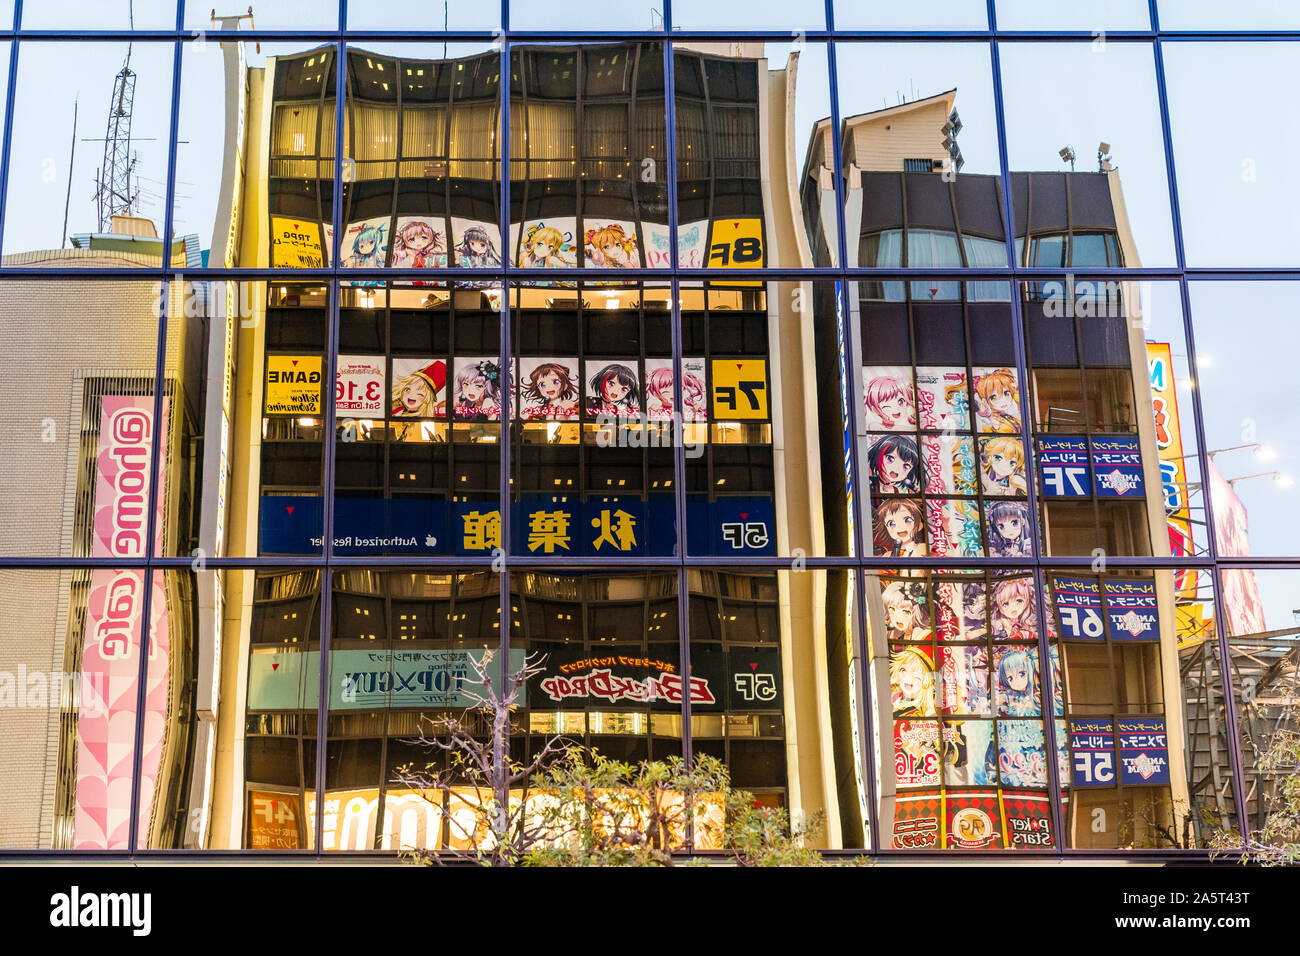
<point x="793" y="378"/>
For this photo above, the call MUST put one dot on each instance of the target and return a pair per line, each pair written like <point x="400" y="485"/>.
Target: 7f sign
<point x="739" y="389"/>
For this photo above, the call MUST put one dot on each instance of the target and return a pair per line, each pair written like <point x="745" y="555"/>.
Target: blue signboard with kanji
<point x="1117" y="466"/>
<point x="1092" y="744"/>
<point x="1131" y="610"/>
<point x="1078" y="605"/>
<point x="1143" y="750"/>
<point x="1063" y="467"/>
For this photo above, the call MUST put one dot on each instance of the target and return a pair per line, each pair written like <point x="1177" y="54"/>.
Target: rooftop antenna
<point x="72" y="156"/>
<point x="114" y="192"/>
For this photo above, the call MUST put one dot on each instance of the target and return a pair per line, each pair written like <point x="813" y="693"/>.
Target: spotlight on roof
<point x="1104" y="165"/>
<point x="1067" y="156"/>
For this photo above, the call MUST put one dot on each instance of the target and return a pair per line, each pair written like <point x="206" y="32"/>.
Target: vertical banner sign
<point x="1092" y="741"/>
<point x="1241" y="601"/>
<point x="292" y="385"/>
<point x="273" y="820"/>
<point x="1173" y="468"/>
<point x="1117" y="466"/>
<point x="1131" y="611"/>
<point x="1143" y="750"/>
<point x="1063" y="467"/>
<point x="110" y="655"/>
<point x="1078" y="604"/>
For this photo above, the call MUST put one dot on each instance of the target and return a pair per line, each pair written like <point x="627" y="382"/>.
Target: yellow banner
<point x="295" y="244"/>
<point x="739" y="389"/>
<point x="292" y="385"/>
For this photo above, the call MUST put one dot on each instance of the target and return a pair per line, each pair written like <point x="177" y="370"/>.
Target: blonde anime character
<point x="906" y="615"/>
<point x="542" y="248"/>
<point x="612" y="248"/>
<point x="997" y="402"/>
<point x="1002" y="466"/>
<point x="911" y="683"/>
<point x="416" y="395"/>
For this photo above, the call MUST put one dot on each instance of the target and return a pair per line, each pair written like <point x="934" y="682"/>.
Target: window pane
<point x="454" y="15"/>
<point x="269" y="15"/>
<point x="1063" y="102"/>
<point x="886" y="15"/>
<point x="1098" y="15"/>
<point x="1213" y="15"/>
<point x="572" y="15"/>
<point x="95" y="15"/>
<point x="758" y="15"/>
<point x="1232" y="180"/>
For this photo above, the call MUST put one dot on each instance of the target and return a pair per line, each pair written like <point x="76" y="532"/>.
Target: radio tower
<point x="114" y="193"/>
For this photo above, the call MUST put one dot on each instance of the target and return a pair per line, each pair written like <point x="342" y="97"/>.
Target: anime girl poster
<point x="420" y="242"/>
<point x="969" y="754"/>
<point x="949" y="463"/>
<point x="365" y="244"/>
<point x="964" y="679"/>
<point x="1054" y="665"/>
<point x="548" y="244"/>
<point x="613" y="388"/>
<point x="894" y="465"/>
<point x="997" y="400"/>
<point x="611" y="244"/>
<point x="479" y="389"/>
<point x="477" y="244"/>
<point x="419" y="388"/>
<point x="1015" y="681"/>
<point x="962" y="610"/>
<point x="916" y="753"/>
<point x="942" y="402"/>
<point x="911" y="681"/>
<point x="889" y="397"/>
<point x="1014" y="609"/>
<point x="954" y="528"/>
<point x="907" y="610"/>
<point x="659" y="390"/>
<point x="1007" y="529"/>
<point x="1022" y="758"/>
<point x="549" y="389"/>
<point x="899" y="528"/>
<point x="1002" y="467"/>
<point x="690" y="244"/>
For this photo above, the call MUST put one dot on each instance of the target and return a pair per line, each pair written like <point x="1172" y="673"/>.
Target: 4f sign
<point x="739" y="389"/>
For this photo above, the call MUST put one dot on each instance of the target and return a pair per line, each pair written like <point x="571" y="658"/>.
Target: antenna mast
<point x="114" y="192"/>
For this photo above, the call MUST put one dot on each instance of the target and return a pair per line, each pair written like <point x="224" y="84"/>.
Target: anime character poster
<point x="964" y="679"/>
<point x="963" y="610"/>
<point x="1007" y="529"/>
<point x="549" y="389"/>
<point x="613" y="388"/>
<point x="365" y="244"/>
<point x="1029" y="819"/>
<point x="916" y="753"/>
<point x="917" y="819"/>
<point x="419" y="388"/>
<point x="969" y="753"/>
<point x="889" y="398"/>
<point x="477" y="245"/>
<point x="899" y="528"/>
<point x="420" y="242"/>
<point x="1015" y="681"/>
<point x="659" y="390"/>
<point x="996" y="394"/>
<point x="972" y="820"/>
<point x="954" y="527"/>
<point x="1022" y="760"/>
<point x="1002" y="467"/>
<point x="359" y="386"/>
<point x="894" y="465"/>
<point x="479" y="388"/>
<point x="611" y="244"/>
<point x="547" y="244"/>
<point x="907" y="609"/>
<point x="942" y="401"/>
<point x="691" y="237"/>
<point x="949" y="464"/>
<point x="1013" y="609"/>
<point x="911" y="681"/>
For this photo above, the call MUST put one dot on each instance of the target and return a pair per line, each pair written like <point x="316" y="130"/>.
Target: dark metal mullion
<point x="330" y="440"/>
<point x="10" y="96"/>
<point x="1047" y="710"/>
<point x="1202" y="458"/>
<point x="500" y="749"/>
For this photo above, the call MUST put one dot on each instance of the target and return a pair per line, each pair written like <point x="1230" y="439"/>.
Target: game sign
<point x="1063" y="467"/>
<point x="1092" y="742"/>
<point x="1078" y="602"/>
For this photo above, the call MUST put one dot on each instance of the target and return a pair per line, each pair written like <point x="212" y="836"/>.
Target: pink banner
<point x="1241" y="602"/>
<point x="110" y="656"/>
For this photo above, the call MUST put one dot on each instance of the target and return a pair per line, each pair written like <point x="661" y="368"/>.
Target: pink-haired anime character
<point x="890" y="402"/>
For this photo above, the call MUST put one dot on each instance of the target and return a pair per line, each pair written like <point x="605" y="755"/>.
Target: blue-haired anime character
<point x="1017" y="681"/>
<point x="367" y="248"/>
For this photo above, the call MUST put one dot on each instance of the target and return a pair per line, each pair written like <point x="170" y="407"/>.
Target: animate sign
<point x="1124" y="609"/>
